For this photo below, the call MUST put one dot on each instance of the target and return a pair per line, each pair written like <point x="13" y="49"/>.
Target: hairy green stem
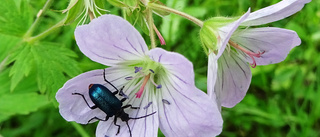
<point x="36" y="22"/>
<point x="45" y="33"/>
<point x="80" y="129"/>
<point x="150" y="25"/>
<point x="182" y="14"/>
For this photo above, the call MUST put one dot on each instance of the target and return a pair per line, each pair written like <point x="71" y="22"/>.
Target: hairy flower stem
<point x="45" y="33"/>
<point x="151" y="31"/>
<point x="182" y="14"/>
<point x="36" y="22"/>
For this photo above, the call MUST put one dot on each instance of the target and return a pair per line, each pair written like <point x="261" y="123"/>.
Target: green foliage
<point x="282" y="99"/>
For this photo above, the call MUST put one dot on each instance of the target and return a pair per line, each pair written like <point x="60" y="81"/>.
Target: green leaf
<point x="15" y="17"/>
<point x="53" y="62"/>
<point x="21" y="103"/>
<point x="23" y="62"/>
<point x="7" y="43"/>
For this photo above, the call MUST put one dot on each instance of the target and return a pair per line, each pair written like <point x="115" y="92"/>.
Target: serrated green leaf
<point x="21" y="103"/>
<point x="15" y="20"/>
<point x="53" y="62"/>
<point x="23" y="62"/>
<point x="7" y="43"/>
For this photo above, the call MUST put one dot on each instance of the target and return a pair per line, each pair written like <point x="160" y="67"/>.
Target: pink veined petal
<point x="185" y="111"/>
<point x="144" y="127"/>
<point x="212" y="78"/>
<point x="276" y="43"/>
<point x="226" y="32"/>
<point x="110" y="40"/>
<point x="73" y="107"/>
<point x="176" y="64"/>
<point x="274" y="12"/>
<point x="234" y="77"/>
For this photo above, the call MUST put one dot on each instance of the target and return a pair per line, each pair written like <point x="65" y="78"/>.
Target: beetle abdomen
<point x="103" y="98"/>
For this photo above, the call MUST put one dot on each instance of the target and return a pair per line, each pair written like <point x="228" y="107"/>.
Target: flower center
<point x="147" y="78"/>
<point x="249" y="53"/>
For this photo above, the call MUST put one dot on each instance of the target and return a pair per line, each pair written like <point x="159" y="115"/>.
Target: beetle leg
<point x="126" y="106"/>
<point x="115" y="123"/>
<point x="93" y="107"/>
<point x="98" y="119"/>
<point x="121" y="93"/>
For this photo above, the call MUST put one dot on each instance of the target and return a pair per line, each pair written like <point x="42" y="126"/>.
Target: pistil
<point x="139" y="93"/>
<point x="249" y="53"/>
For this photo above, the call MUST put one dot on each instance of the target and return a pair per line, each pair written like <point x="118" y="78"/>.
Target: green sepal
<point x="209" y="32"/>
<point x="117" y="3"/>
<point x="133" y="4"/>
<point x="74" y="10"/>
<point x="137" y="17"/>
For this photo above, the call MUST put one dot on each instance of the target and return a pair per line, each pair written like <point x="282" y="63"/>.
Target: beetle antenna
<point x="129" y="129"/>
<point x="143" y="116"/>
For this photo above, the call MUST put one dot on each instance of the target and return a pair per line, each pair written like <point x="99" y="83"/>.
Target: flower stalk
<point x="36" y="22"/>
<point x="182" y="14"/>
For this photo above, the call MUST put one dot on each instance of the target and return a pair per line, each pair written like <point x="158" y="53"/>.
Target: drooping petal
<point x="234" y="77"/>
<point x="110" y="40"/>
<point x="73" y="107"/>
<point x="274" y="12"/>
<point x="175" y="63"/>
<point x="143" y="127"/>
<point x="186" y="111"/>
<point x="276" y="43"/>
<point x="212" y="78"/>
<point x="226" y="32"/>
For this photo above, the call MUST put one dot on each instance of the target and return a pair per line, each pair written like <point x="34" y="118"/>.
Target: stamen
<point x="139" y="93"/>
<point x="166" y="101"/>
<point x="249" y="53"/>
<point x="137" y="69"/>
<point x="128" y="78"/>
<point x="151" y="70"/>
<point x="147" y="105"/>
<point x="155" y="84"/>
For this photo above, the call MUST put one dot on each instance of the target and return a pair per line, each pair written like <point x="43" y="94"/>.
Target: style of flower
<point x="229" y="75"/>
<point x="156" y="81"/>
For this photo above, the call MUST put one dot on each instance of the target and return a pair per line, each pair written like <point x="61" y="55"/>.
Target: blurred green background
<point x="283" y="99"/>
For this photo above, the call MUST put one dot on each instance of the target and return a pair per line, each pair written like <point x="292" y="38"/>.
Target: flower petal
<point x="73" y="107"/>
<point x="226" y="32"/>
<point x="186" y="111"/>
<point x="110" y="40"/>
<point x="144" y="127"/>
<point x="276" y="43"/>
<point x="234" y="77"/>
<point x="176" y="64"/>
<point x="274" y="12"/>
<point x="212" y="78"/>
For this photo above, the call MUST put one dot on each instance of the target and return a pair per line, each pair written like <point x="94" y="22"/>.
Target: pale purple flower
<point x="236" y="47"/>
<point x="156" y="81"/>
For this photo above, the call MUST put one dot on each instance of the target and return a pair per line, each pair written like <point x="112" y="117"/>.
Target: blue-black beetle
<point x="106" y="100"/>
